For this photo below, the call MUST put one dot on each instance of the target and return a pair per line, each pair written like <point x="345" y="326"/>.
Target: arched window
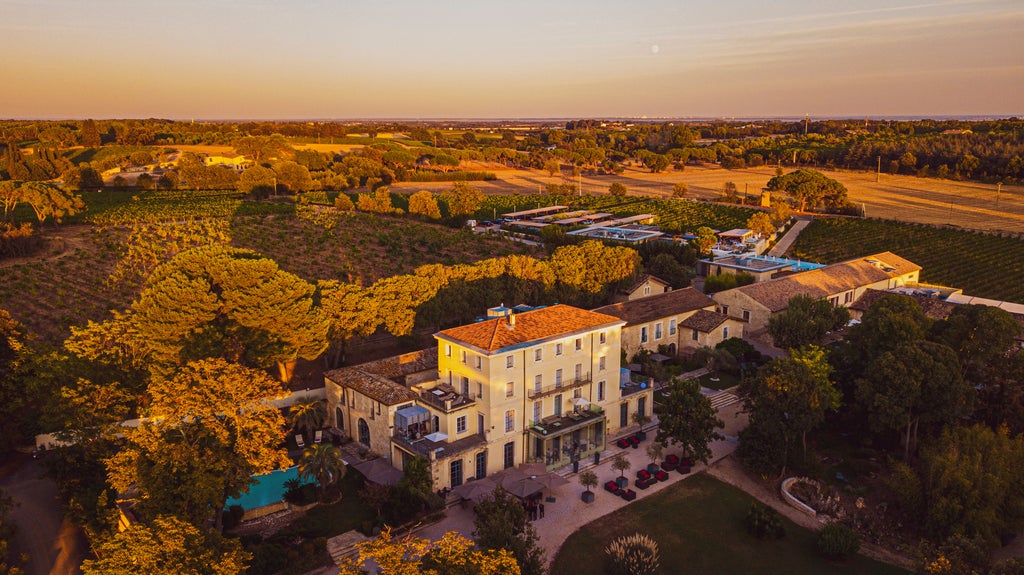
<point x="364" y="432"/>
<point x="339" y="418"/>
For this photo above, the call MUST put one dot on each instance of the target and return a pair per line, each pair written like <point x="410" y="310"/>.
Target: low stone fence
<point x="793" y="501"/>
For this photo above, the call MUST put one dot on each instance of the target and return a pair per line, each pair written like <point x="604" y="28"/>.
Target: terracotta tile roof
<point x="658" y="306"/>
<point x="704" y="320"/>
<point x="382" y="380"/>
<point x="529" y="327"/>
<point x="829" y="280"/>
<point x="641" y="281"/>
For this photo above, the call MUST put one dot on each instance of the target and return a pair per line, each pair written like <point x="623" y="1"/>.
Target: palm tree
<point x="308" y="415"/>
<point x="322" y="462"/>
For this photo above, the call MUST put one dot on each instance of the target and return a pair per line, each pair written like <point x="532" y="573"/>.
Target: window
<point x="600" y="391"/>
<point x="509" y="451"/>
<point x="577" y="393"/>
<point x="558" y="405"/>
<point x="538" y="381"/>
<point x="657" y="330"/>
<point x="601" y="363"/>
<point x="558" y="349"/>
<point x="465" y="386"/>
<point x="746" y="315"/>
<point x="448" y="350"/>
<point x="643" y="334"/>
<point x="834" y="300"/>
<point x="538" y="408"/>
<point x="558" y="378"/>
<point x="510" y="421"/>
<point x="848" y="297"/>
<point x="481" y="465"/>
<point x="364" y="432"/>
<point x="672" y="326"/>
<point x="478" y="361"/>
<point x="460" y="424"/>
<point x="693" y="334"/>
<point x="579" y="344"/>
<point x="624" y="414"/>
<point x="456" y="473"/>
<point x="602" y="337"/>
<point x="641" y="405"/>
<point x="510" y="361"/>
<point x="647" y="289"/>
<point x="578" y="372"/>
<point x="510" y="389"/>
<point x="463" y="356"/>
<point x="480" y="423"/>
<point x="725" y="332"/>
<point x="725" y="309"/>
<point x="479" y="390"/>
<point x="538" y="354"/>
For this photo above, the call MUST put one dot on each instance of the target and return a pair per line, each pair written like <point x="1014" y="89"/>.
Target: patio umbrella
<point x="581" y="401"/>
<point x="476" y="490"/>
<point x="524" y="487"/>
<point x="552" y="480"/>
<point x="379" y="471"/>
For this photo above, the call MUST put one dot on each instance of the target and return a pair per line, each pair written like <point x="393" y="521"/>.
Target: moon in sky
<point x="655" y="49"/>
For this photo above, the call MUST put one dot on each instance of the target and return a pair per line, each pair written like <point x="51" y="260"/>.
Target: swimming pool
<point x="267" y="490"/>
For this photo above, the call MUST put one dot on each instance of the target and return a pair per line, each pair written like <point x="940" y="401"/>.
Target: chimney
<point x="511" y="321"/>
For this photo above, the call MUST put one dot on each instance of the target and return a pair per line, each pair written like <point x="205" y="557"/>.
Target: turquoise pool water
<point x="267" y="490"/>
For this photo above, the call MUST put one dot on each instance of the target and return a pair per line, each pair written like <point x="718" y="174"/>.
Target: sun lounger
<point x="299" y="441"/>
<point x="318" y="436"/>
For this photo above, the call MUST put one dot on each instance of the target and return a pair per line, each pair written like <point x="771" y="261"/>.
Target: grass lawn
<point x="725" y="381"/>
<point x="698" y="524"/>
<point x="337" y="518"/>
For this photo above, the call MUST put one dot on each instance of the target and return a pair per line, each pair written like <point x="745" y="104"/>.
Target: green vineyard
<point x="984" y="265"/>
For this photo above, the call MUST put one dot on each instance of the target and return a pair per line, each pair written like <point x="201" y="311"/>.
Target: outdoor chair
<point x="643" y="474"/>
<point x="628" y="494"/>
<point x="669" y="465"/>
<point x="661" y="476"/>
<point x="623" y="443"/>
<point x="612" y="487"/>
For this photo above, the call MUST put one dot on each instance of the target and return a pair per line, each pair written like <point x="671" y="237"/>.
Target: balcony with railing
<point x="445" y="397"/>
<point x="559" y="386"/>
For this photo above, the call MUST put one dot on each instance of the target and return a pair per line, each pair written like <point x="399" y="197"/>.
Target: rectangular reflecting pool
<point x="268" y="489"/>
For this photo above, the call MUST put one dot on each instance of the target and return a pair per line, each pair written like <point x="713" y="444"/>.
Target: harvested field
<point x="969" y="205"/>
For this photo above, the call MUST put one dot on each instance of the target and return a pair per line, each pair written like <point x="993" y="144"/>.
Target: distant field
<point x="983" y="264"/>
<point x="906" y="198"/>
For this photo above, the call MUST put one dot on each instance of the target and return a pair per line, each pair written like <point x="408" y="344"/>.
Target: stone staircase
<point x="723" y="399"/>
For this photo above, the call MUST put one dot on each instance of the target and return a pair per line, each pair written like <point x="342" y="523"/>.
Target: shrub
<point x="233" y="516"/>
<point x="764" y="522"/>
<point x="635" y="554"/>
<point x="838" y="541"/>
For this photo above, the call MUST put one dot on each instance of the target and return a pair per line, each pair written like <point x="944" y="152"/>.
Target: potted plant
<point x="622" y="465"/>
<point x="641" y="419"/>
<point x="588" y="479"/>
<point x="655" y="450"/>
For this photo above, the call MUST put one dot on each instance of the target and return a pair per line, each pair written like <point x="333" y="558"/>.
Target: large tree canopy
<point x="230" y="303"/>
<point x="810" y="188"/>
<point x="210" y="428"/>
<point x="805" y="321"/>
<point x="688" y="419"/>
<point x="168" y="547"/>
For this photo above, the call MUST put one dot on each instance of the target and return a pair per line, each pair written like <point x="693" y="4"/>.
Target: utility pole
<point x="879" y="172"/>
<point x="999" y="188"/>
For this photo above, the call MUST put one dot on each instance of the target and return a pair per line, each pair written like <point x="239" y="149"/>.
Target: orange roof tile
<point x="527" y="327"/>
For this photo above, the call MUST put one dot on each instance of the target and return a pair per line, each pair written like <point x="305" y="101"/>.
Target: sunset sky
<point x="236" y="59"/>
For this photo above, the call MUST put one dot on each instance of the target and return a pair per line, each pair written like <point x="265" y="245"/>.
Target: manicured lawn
<point x="698" y="524"/>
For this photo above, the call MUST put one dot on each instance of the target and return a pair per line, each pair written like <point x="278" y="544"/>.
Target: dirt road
<point x="54" y="546"/>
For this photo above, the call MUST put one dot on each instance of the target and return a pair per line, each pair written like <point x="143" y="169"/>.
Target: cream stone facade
<point x="542" y="386"/>
<point x="653" y="322"/>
